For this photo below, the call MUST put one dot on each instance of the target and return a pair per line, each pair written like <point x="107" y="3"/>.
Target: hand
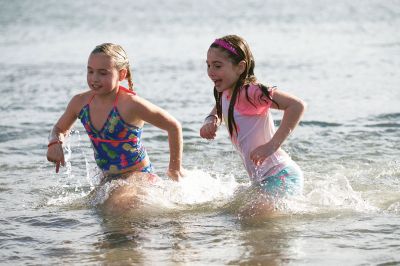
<point x="176" y="174"/>
<point x="209" y="129"/>
<point x="55" y="154"/>
<point x="259" y="154"/>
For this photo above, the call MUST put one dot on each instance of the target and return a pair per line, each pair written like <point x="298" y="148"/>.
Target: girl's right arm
<point x="293" y="109"/>
<point x="210" y="125"/>
<point x="60" y="130"/>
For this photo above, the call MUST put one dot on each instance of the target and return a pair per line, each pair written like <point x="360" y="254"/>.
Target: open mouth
<point x="95" y="87"/>
<point x="217" y="82"/>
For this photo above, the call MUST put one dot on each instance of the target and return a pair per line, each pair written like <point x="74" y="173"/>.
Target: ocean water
<point x="341" y="57"/>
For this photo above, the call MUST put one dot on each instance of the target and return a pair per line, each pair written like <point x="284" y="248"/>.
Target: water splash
<point x="201" y="190"/>
<point x="72" y="189"/>
<point x="197" y="188"/>
<point x="333" y="193"/>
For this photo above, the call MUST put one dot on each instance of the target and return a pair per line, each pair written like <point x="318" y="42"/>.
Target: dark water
<point x="341" y="57"/>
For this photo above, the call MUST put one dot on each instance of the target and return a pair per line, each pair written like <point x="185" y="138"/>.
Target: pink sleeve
<point x="258" y="104"/>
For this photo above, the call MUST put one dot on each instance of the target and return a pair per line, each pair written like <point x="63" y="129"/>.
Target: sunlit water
<point x="341" y="57"/>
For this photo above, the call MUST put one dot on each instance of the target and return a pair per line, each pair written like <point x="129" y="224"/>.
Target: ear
<point x="122" y="74"/>
<point x="241" y="67"/>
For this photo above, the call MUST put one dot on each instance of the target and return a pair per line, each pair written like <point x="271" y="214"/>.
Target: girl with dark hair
<point x="244" y="105"/>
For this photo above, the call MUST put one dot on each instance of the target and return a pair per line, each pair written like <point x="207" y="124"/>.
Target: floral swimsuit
<point x="117" y="145"/>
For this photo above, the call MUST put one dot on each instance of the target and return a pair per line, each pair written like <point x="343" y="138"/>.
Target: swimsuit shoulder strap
<point x="90" y="99"/>
<point x="125" y="90"/>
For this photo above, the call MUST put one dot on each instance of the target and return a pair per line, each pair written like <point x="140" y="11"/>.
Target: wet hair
<point x="118" y="54"/>
<point x="240" y="53"/>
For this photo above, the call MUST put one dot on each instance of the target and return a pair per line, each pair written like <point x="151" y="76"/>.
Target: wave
<point x="313" y="123"/>
<point x="384" y="125"/>
<point x="388" y="120"/>
<point x="388" y="116"/>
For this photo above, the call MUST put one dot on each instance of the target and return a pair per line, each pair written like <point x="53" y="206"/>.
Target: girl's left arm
<point x="160" y="118"/>
<point x="293" y="109"/>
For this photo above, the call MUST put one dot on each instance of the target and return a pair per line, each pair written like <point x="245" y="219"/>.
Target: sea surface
<point x="341" y="57"/>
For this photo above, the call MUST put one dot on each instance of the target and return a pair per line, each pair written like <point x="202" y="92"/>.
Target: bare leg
<point x="258" y="209"/>
<point x="129" y="194"/>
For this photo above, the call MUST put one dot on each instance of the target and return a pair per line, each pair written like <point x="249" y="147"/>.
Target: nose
<point x="96" y="77"/>
<point x="210" y="72"/>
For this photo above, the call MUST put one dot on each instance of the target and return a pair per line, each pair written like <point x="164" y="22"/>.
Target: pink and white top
<point x="255" y="127"/>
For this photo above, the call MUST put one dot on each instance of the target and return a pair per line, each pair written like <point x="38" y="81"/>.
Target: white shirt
<point x="255" y="127"/>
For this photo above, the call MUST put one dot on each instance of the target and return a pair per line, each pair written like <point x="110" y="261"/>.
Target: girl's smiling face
<point x="221" y="70"/>
<point x="102" y="75"/>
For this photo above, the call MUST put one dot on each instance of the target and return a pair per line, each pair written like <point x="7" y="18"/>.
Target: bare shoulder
<point x="78" y="101"/>
<point x="133" y="108"/>
<point x="136" y="110"/>
<point x="135" y="102"/>
<point x="72" y="111"/>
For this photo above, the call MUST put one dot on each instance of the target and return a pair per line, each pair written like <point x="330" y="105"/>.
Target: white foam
<point x="394" y="208"/>
<point x="335" y="193"/>
<point x="197" y="187"/>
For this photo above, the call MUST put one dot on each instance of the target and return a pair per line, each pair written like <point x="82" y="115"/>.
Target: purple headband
<point x="226" y="45"/>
